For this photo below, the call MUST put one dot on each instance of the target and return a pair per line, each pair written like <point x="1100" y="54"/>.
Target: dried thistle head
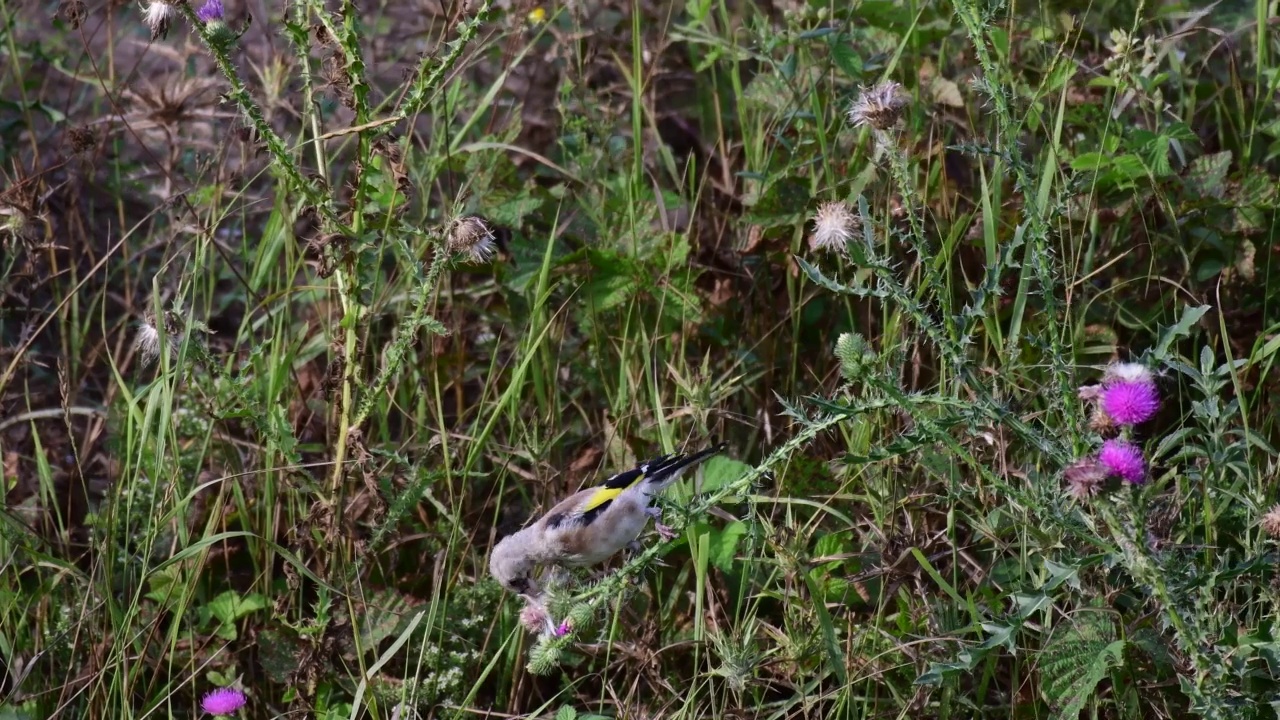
<point x="833" y="227"/>
<point x="157" y="15"/>
<point x="148" y="340"/>
<point x="1100" y="422"/>
<point x="172" y="105"/>
<point x="1085" y="478"/>
<point x="1270" y="522"/>
<point x="879" y="107"/>
<point x="1089" y="393"/>
<point x="82" y="139"/>
<point x="20" y="210"/>
<point x="473" y="239"/>
<point x="73" y="12"/>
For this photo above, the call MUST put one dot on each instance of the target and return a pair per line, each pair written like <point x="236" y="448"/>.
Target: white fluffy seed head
<point x="1127" y="372"/>
<point x="833" y="227"/>
<point x="157" y="16"/>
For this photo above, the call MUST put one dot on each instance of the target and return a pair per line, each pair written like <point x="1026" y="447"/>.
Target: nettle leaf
<point x="720" y="471"/>
<point x="510" y="209"/>
<point x="1091" y="162"/>
<point x="846" y="57"/>
<point x="767" y="92"/>
<point x="778" y="201"/>
<point x="230" y="606"/>
<point x="723" y="547"/>
<point x="1208" y="174"/>
<point x="1076" y="659"/>
<point x="385" y="614"/>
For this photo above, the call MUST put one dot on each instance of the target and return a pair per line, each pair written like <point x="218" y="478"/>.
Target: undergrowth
<point x="302" y="312"/>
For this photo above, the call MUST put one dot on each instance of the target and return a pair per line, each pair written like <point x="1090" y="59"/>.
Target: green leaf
<point x="1076" y="659"/>
<point x="510" y="210"/>
<point x="1129" y="167"/>
<point x="720" y="471"/>
<point x="230" y="606"/>
<point x="1182" y="328"/>
<point x="278" y="653"/>
<point x="609" y="291"/>
<point x="781" y="202"/>
<point x="724" y="543"/>
<point x="819" y="277"/>
<point x="1090" y="162"/>
<point x="1208" y="174"/>
<point x="845" y="57"/>
<point x="567" y="713"/>
<point x="767" y="92"/>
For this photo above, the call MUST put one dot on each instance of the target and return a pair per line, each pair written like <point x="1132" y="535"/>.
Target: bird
<point x="591" y="525"/>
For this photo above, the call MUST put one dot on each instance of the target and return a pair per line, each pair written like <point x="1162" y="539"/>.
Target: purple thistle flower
<point x="1130" y="403"/>
<point x="564" y="629"/>
<point x="211" y="11"/>
<point x="1123" y="458"/>
<point x="223" y="701"/>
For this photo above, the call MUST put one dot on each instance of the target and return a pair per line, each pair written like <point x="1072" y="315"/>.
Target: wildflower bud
<point x="472" y="238"/>
<point x="1123" y="458"/>
<point x="211" y="15"/>
<point x="16" y="222"/>
<point x="879" y="107"/>
<point x="580" y="615"/>
<point x="855" y="355"/>
<point x="832" y="227"/>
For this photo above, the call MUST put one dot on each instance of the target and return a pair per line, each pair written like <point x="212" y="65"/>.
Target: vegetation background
<point x="291" y="484"/>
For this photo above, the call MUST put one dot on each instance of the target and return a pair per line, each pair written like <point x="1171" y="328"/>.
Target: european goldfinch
<point x="592" y="524"/>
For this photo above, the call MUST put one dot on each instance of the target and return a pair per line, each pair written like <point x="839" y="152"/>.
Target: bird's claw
<point x="665" y="531"/>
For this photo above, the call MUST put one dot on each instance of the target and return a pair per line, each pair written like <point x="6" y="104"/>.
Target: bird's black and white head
<point x="512" y="564"/>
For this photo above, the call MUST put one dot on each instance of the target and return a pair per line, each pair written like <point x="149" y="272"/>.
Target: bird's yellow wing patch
<point x="601" y="496"/>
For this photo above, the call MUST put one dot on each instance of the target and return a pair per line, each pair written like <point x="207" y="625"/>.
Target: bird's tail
<point x="666" y="470"/>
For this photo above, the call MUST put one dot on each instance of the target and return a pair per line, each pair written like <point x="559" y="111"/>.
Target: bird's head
<point x="512" y="564"/>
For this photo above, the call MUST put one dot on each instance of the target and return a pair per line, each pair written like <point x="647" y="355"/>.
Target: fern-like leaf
<point x="1075" y="660"/>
